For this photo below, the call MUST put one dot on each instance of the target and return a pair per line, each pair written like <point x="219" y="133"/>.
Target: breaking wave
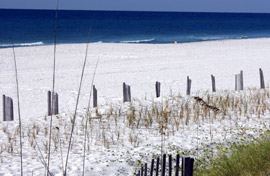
<point x="21" y="44"/>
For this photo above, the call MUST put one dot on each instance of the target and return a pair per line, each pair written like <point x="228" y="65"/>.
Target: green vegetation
<point x="242" y="160"/>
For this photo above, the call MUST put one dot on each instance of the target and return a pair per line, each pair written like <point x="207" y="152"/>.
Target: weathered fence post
<point x="49" y="100"/>
<point x="53" y="103"/>
<point x="129" y="93"/>
<point x="242" y="80"/>
<point x="157" y="166"/>
<point x="238" y="82"/>
<point x="188" y="85"/>
<point x="261" y="79"/>
<point x="152" y="167"/>
<point x="126" y="92"/>
<point x="213" y="83"/>
<point x="177" y="165"/>
<point x="170" y="165"/>
<point x="145" y="169"/>
<point x="187" y="166"/>
<point x="163" y="165"/>
<point x="158" y="89"/>
<point x="7" y="109"/>
<point x="94" y="96"/>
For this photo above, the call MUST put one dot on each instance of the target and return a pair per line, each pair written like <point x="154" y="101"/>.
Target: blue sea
<point x="36" y="27"/>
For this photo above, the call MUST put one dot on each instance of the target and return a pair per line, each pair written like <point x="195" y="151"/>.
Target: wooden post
<point x="49" y="100"/>
<point x="177" y="165"/>
<point x="238" y="82"/>
<point x="129" y="93"/>
<point x="163" y="165"/>
<point x="187" y="166"/>
<point x="126" y="92"/>
<point x="152" y="167"/>
<point x="188" y="85"/>
<point x="170" y="165"/>
<point x="53" y="106"/>
<point x="145" y="169"/>
<point x="4" y="107"/>
<point x="213" y="83"/>
<point x="7" y="109"/>
<point x="157" y="89"/>
<point x="94" y="96"/>
<point x="261" y="79"/>
<point x="157" y="166"/>
<point x="142" y="171"/>
<point x="242" y="80"/>
<point x="55" y="103"/>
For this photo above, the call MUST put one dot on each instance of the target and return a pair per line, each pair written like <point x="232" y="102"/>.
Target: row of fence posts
<point x="53" y="106"/>
<point x="186" y="169"/>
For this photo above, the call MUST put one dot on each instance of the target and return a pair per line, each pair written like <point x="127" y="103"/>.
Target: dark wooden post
<point x="94" y="96"/>
<point x="213" y="83"/>
<point x="4" y="107"/>
<point x="7" y="109"/>
<point x="129" y="93"/>
<point x="177" y="165"/>
<point x="187" y="166"/>
<point x="242" y="80"/>
<point x="124" y="92"/>
<point x="163" y="165"/>
<point x="158" y="89"/>
<point x="170" y="165"/>
<point x="261" y="79"/>
<point x="55" y="103"/>
<point x="188" y="85"/>
<point x="145" y="169"/>
<point x="152" y="167"/>
<point x="157" y="166"/>
<point x="49" y="100"/>
<point x="142" y="171"/>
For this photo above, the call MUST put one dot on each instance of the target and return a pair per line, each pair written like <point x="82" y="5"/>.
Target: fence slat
<point x="49" y="100"/>
<point x="129" y="93"/>
<point x="187" y="166"/>
<point x="145" y="169"/>
<point x="213" y="83"/>
<point x="124" y="92"/>
<point x="241" y="80"/>
<point x="94" y="96"/>
<point x="157" y="89"/>
<point x="152" y="167"/>
<point x="177" y="165"/>
<point x="142" y="171"/>
<point x="4" y="107"/>
<point x="261" y="79"/>
<point x="188" y="85"/>
<point x="170" y="165"/>
<point x="163" y="165"/>
<point x="7" y="109"/>
<point x="157" y="166"/>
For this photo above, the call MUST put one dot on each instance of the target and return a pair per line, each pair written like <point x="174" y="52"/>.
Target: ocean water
<point x="36" y="27"/>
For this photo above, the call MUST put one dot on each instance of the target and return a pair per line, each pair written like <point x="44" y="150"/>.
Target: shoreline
<point x="40" y="43"/>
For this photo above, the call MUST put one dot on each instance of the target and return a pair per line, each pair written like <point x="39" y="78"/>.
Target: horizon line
<point x="141" y="11"/>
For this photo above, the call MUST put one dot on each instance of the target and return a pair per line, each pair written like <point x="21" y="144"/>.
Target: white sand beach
<point x="140" y="66"/>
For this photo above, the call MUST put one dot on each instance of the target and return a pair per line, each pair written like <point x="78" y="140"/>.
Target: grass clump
<point x="242" y="160"/>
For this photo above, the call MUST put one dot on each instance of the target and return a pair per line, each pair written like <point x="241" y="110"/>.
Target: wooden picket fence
<point x="165" y="167"/>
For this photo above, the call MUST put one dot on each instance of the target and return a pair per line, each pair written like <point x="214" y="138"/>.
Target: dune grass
<point x="242" y="160"/>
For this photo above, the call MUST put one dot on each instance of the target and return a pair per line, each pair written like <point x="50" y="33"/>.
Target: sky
<point x="252" y="6"/>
